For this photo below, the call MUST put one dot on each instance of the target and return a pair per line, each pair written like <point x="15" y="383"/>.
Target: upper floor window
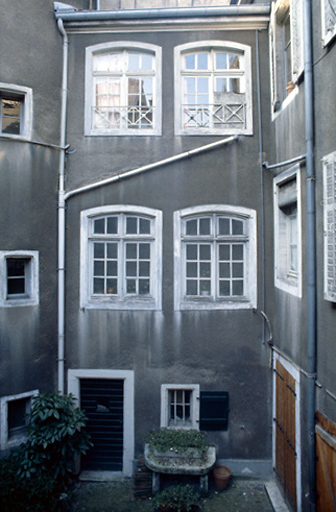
<point x="287" y="231"/>
<point x="15" y="111"/>
<point x="286" y="41"/>
<point x="328" y="20"/>
<point x="123" y="87"/>
<point x="215" y="265"/>
<point x="329" y="207"/>
<point x="213" y="88"/>
<point x="121" y="258"/>
<point x="19" y="278"/>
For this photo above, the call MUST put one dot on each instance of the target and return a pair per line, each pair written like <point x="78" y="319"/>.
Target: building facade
<point x="182" y="272"/>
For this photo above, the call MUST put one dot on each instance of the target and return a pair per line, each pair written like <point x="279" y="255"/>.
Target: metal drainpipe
<point x="61" y="214"/>
<point x="311" y="247"/>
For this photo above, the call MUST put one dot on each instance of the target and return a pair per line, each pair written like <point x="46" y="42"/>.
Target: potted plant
<point x="177" y="498"/>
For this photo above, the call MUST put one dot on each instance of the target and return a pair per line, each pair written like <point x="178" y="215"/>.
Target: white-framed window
<point x="19" y="278"/>
<point x="213" y="89"/>
<point x="180" y="405"/>
<point x="328" y="20"/>
<point x="13" y="427"/>
<point x="287" y="232"/>
<point x="329" y="214"/>
<point x="15" y="111"/>
<point x="123" y="89"/>
<point x="286" y="49"/>
<point x="121" y="251"/>
<point x="215" y="257"/>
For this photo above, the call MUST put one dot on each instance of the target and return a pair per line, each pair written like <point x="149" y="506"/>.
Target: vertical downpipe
<point x="61" y="214"/>
<point x="311" y="246"/>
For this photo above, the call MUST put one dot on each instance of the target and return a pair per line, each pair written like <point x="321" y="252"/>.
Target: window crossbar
<point x="214" y="115"/>
<point x="140" y="117"/>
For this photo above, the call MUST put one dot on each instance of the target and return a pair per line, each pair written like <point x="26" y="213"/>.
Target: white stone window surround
<point x="194" y="403"/>
<point x="205" y="46"/>
<point x="249" y="300"/>
<point x="5" y="441"/>
<point x="127" y="376"/>
<point x="87" y="300"/>
<point x="154" y="50"/>
<point x="329" y="223"/>
<point x="31" y="297"/>
<point x="328" y="18"/>
<point x="290" y="282"/>
<point x="25" y="94"/>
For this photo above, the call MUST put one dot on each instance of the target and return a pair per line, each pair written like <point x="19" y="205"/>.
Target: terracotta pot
<point x="221" y="476"/>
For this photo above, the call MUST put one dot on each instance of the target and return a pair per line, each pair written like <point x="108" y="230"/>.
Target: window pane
<point x="237" y="227"/>
<point x="237" y="252"/>
<point x="15" y="267"/>
<point x="224" y="288"/>
<point x="112" y="250"/>
<point x="11" y="126"/>
<point x="98" y="250"/>
<point x="191" y="287"/>
<point x="147" y="62"/>
<point x="205" y="270"/>
<point x="237" y="288"/>
<point x="224" y="270"/>
<point x="203" y="86"/>
<point x="205" y="252"/>
<point x="144" y="268"/>
<point x="112" y="225"/>
<point x="224" y="252"/>
<point x="144" y="251"/>
<point x="111" y="286"/>
<point x="98" y="285"/>
<point x="107" y="62"/>
<point x="112" y="268"/>
<point x="202" y="61"/>
<point x="191" y="227"/>
<point x="131" y="286"/>
<point x="131" y="268"/>
<point x="16" y="279"/>
<point x="98" y="268"/>
<point x="133" y="61"/>
<point x="17" y="410"/>
<point x="131" y="225"/>
<point x="191" y="269"/>
<point x="204" y="226"/>
<point x="189" y="61"/>
<point x="223" y="226"/>
<point x="144" y="226"/>
<point x="143" y="286"/>
<point x="191" y="252"/>
<point x="221" y="60"/>
<point x="237" y="270"/>
<point x="205" y="287"/>
<point x="99" y="226"/>
<point x="16" y="286"/>
<point x="234" y="61"/>
<point x="131" y="251"/>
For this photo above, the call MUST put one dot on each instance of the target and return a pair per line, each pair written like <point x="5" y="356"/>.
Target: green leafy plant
<point x="179" y="498"/>
<point x="179" y="440"/>
<point x="36" y="474"/>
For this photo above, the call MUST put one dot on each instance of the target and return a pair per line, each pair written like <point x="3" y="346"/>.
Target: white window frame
<point x="329" y="223"/>
<point x="194" y="405"/>
<point x="31" y="297"/>
<point x="6" y="442"/>
<point x="280" y="10"/>
<point x="24" y="95"/>
<point x="230" y="46"/>
<point x="138" y="302"/>
<point x="125" y="46"/>
<point x="284" y="279"/>
<point x="328" y="31"/>
<point x="249" y="300"/>
<point x="74" y="377"/>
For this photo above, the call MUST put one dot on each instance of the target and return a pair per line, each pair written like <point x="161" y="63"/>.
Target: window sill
<point x="12" y="136"/>
<point x="207" y="305"/>
<point x="112" y="304"/>
<point x="17" y="303"/>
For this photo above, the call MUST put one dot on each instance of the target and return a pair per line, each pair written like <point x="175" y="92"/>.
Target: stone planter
<point x="189" y="462"/>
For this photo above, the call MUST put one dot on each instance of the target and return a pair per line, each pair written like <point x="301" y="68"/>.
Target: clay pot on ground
<point x="221" y="475"/>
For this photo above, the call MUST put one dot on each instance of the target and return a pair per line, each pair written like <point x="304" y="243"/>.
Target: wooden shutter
<point x="325" y="464"/>
<point x="296" y="18"/>
<point x="329" y="177"/>
<point x="214" y="410"/>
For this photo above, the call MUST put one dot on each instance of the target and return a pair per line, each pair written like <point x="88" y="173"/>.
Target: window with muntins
<point x="329" y="211"/>
<point x="15" y="111"/>
<point x="122" y="259"/>
<point x="286" y="48"/>
<point x="287" y="231"/>
<point x="213" y="89"/>
<point x="123" y="91"/>
<point x="19" y="277"/>
<point x="328" y="20"/>
<point x="213" y="267"/>
<point x="180" y="406"/>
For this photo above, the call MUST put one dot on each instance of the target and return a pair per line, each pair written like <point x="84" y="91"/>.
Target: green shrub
<point x="165" y="439"/>
<point x="177" y="497"/>
<point x="35" y="476"/>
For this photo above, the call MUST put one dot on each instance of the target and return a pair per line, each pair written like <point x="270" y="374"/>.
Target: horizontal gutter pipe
<point x="149" y="167"/>
<point x="162" y="13"/>
<point x="37" y="143"/>
<point x="286" y="162"/>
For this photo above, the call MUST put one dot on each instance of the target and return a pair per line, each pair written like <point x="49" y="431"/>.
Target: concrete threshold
<point x="276" y="497"/>
<point x="101" y="476"/>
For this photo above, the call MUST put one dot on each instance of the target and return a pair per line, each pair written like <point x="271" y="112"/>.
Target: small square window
<point x="19" y="278"/>
<point x="179" y="405"/>
<point x="13" y="411"/>
<point x="15" y="111"/>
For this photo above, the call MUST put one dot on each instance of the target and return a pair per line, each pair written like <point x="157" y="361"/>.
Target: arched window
<point x="123" y="89"/>
<point x="215" y="264"/>
<point x="213" y="88"/>
<point x="121" y="258"/>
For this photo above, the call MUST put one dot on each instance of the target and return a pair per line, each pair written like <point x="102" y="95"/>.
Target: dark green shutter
<point x="214" y="410"/>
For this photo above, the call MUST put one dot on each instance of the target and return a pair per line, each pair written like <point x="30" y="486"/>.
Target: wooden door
<point x="325" y="465"/>
<point x="102" y="400"/>
<point x="285" y="432"/>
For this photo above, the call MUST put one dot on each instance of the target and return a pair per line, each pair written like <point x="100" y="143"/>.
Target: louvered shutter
<point x="329" y="176"/>
<point x="214" y="410"/>
<point x="328" y="20"/>
<point x="296" y="17"/>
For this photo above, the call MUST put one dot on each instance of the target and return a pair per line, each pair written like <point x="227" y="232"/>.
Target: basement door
<point x="285" y="439"/>
<point x="325" y="464"/>
<point x="102" y="400"/>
